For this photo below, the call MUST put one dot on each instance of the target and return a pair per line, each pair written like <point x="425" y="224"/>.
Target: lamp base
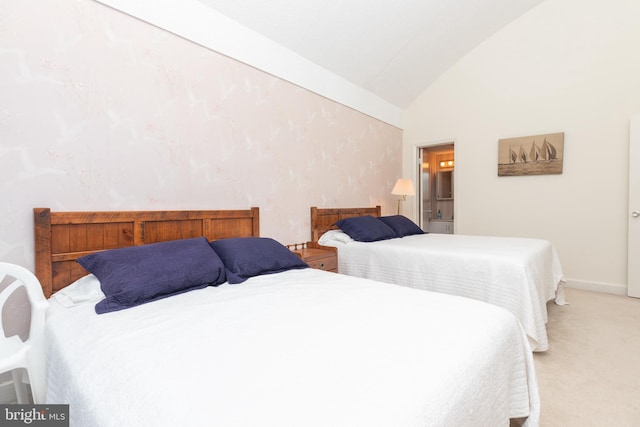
<point x="401" y="199"/>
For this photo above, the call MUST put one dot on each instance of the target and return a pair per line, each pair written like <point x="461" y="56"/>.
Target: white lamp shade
<point x="403" y="187"/>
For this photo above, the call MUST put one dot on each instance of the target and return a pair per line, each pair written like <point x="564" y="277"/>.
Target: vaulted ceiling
<point x="393" y="49"/>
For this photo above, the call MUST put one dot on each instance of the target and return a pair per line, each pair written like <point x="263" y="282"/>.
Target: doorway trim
<point x="417" y="174"/>
<point x="633" y="230"/>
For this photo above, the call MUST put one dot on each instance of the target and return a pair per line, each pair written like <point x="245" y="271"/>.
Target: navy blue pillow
<point x="245" y="257"/>
<point x="139" y="274"/>
<point x="402" y="225"/>
<point x="366" y="228"/>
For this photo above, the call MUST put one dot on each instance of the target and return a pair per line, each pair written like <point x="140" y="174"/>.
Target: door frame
<point x="633" y="230"/>
<point x="417" y="174"/>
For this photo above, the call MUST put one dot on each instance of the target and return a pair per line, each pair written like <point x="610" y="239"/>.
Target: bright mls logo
<point x="34" y="415"/>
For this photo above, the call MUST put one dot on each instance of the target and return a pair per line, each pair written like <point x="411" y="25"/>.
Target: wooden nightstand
<point x="320" y="257"/>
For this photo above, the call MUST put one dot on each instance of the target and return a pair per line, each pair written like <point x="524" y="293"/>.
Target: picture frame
<point x="531" y="155"/>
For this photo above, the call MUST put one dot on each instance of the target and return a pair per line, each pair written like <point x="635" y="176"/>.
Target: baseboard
<point x="606" y="288"/>
<point x="7" y="393"/>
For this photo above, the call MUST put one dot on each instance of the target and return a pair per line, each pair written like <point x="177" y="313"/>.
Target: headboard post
<point x="42" y="240"/>
<point x="314" y="220"/>
<point x="255" y="213"/>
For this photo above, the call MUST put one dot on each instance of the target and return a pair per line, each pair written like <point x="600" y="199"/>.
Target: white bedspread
<point x="518" y="274"/>
<point x="299" y="348"/>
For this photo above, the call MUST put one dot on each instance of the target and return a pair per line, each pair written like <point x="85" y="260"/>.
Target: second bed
<point x="519" y="274"/>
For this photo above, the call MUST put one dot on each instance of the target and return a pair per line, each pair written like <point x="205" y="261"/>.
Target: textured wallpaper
<point x="100" y="111"/>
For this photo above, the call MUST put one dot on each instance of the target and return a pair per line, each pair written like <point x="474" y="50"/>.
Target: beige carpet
<point x="590" y="376"/>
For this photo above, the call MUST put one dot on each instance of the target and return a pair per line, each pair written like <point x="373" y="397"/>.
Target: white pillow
<point x="334" y="236"/>
<point x="85" y="289"/>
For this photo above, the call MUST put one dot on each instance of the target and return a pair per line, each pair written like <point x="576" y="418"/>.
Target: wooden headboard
<point x="63" y="237"/>
<point x="322" y="220"/>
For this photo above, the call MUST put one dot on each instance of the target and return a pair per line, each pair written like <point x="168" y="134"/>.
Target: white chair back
<point x="28" y="354"/>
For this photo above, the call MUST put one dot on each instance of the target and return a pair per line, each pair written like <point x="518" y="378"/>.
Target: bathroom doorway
<point x="436" y="167"/>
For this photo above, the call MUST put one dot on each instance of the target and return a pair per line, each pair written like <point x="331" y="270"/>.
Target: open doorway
<point x="435" y="188"/>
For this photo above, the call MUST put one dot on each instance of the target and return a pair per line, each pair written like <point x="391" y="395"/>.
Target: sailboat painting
<point x="531" y="155"/>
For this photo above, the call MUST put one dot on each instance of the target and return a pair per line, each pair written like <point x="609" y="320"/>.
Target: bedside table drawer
<point x="319" y="258"/>
<point x="329" y="263"/>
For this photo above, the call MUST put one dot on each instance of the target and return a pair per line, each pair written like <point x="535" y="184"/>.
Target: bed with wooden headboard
<point x="63" y="237"/>
<point x="518" y="274"/>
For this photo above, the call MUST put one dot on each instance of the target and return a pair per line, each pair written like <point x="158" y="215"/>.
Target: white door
<point x="633" y="264"/>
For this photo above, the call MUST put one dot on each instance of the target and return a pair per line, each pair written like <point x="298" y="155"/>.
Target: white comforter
<point x="299" y="348"/>
<point x="518" y="274"/>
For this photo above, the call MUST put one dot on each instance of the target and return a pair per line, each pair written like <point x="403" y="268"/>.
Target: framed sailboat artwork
<point x="531" y="155"/>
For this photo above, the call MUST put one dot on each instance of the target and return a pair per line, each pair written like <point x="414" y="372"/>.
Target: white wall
<point x="102" y="111"/>
<point x="196" y="22"/>
<point x="567" y="66"/>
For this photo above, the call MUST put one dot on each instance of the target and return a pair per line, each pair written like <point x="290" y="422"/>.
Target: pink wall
<point x="100" y="111"/>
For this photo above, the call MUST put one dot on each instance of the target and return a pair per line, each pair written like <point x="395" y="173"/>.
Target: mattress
<point x="297" y="348"/>
<point x="520" y="275"/>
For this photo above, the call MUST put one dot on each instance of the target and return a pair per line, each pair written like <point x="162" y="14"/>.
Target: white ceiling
<point x="393" y="49"/>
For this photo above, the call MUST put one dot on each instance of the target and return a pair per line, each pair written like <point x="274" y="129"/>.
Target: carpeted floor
<point x="590" y="376"/>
